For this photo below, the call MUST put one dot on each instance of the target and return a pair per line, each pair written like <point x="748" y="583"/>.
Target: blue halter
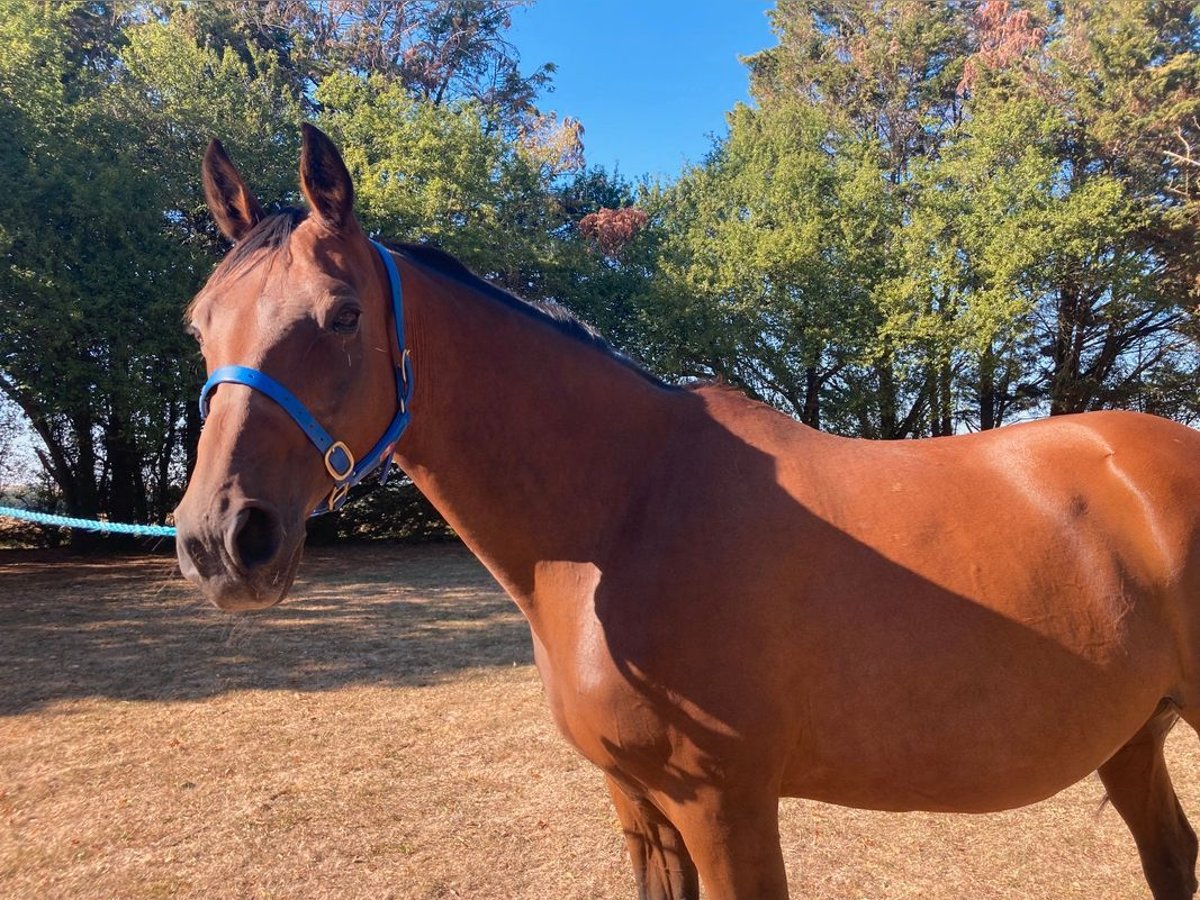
<point x="339" y="461"/>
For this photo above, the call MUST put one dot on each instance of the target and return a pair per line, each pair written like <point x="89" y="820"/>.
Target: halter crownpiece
<point x="339" y="460"/>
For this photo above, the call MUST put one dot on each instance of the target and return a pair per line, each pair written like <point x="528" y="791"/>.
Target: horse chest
<point x="601" y="711"/>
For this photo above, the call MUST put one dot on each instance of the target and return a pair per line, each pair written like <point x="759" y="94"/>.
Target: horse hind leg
<point x="661" y="863"/>
<point x="1140" y="789"/>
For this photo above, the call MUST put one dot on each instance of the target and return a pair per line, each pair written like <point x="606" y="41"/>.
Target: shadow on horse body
<point x="726" y="606"/>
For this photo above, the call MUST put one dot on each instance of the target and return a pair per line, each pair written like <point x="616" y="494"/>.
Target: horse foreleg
<point x="661" y="863"/>
<point x="1139" y="787"/>
<point x="734" y="840"/>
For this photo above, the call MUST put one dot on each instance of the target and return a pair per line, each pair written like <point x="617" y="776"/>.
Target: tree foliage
<point x="942" y="216"/>
<point x="106" y="107"/>
<point x="933" y="217"/>
<point x="92" y="284"/>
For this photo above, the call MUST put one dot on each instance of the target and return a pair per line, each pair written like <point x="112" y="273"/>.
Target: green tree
<point x="437" y="51"/>
<point x="89" y="276"/>
<point x="1004" y="219"/>
<point x="883" y="76"/>
<point x="759" y="260"/>
<point x="1120" y="84"/>
<point x="107" y="107"/>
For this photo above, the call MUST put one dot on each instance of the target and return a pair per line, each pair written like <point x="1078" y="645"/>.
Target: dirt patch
<point x="384" y="735"/>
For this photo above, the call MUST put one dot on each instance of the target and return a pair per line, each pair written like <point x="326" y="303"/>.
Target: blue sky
<point x="650" y="80"/>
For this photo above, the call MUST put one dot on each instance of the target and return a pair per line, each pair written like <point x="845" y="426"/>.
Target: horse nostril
<point x="256" y="535"/>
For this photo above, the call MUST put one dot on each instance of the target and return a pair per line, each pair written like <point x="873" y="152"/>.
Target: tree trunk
<point x="812" y="398"/>
<point x="987" y="391"/>
<point x="887" y="398"/>
<point x="1065" y="383"/>
<point x="162" y="489"/>
<point x="945" y="389"/>
<point x="126" y="500"/>
<point x="84" y="500"/>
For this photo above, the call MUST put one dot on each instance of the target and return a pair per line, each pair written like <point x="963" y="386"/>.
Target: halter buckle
<point x="406" y="389"/>
<point x="337" y="496"/>
<point x="331" y="466"/>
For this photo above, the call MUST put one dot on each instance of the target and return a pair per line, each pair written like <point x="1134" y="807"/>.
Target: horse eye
<point x="195" y="333"/>
<point x="346" y="321"/>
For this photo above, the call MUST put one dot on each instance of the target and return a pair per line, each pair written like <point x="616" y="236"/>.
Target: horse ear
<point x="234" y="208"/>
<point x="325" y="180"/>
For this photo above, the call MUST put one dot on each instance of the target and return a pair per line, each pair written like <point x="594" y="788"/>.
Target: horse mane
<point x="550" y="312"/>
<point x="273" y="232"/>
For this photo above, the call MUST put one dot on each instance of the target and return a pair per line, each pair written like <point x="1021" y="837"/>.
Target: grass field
<point x="384" y="734"/>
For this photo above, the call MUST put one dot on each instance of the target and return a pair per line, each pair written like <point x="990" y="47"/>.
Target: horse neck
<point x="528" y="440"/>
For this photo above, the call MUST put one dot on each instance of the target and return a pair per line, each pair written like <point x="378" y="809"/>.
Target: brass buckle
<point x="405" y="362"/>
<point x="334" y="473"/>
<point x="337" y="495"/>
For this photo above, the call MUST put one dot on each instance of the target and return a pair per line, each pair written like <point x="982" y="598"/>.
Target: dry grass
<point x="384" y="735"/>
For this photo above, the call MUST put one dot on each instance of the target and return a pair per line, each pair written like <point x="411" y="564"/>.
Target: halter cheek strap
<point x="338" y="458"/>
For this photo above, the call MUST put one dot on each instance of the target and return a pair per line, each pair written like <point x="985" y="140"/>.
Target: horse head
<point x="298" y="333"/>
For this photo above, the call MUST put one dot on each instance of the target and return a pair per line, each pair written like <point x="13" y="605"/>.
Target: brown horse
<point x="726" y="606"/>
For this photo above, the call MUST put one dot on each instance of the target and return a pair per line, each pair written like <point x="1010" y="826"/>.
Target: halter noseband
<point x="339" y="461"/>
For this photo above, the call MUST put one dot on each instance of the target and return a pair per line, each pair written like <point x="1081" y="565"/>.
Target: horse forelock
<point x="272" y="235"/>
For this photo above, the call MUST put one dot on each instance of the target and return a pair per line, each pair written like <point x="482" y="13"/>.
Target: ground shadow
<point x="129" y="628"/>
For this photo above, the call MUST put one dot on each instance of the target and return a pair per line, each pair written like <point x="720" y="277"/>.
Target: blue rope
<point x="11" y="512"/>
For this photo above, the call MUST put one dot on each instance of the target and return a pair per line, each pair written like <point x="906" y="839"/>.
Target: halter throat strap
<point x="337" y="456"/>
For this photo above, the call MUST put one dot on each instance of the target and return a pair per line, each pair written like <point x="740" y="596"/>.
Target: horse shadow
<point x="76" y="627"/>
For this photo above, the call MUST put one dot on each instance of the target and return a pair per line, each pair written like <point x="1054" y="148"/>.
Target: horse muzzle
<point x="242" y="558"/>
